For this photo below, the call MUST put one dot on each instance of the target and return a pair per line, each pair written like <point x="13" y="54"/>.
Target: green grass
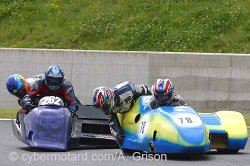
<point x="247" y="119"/>
<point x="134" y="25"/>
<point x="11" y="113"/>
<point x="7" y="113"/>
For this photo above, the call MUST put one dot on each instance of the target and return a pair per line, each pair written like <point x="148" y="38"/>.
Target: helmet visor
<point x="163" y="99"/>
<point x="54" y="83"/>
<point x="105" y="108"/>
<point x="19" y="93"/>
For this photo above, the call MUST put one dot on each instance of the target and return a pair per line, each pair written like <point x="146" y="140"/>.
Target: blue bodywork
<point x="46" y="127"/>
<point x="169" y="129"/>
<point x="52" y="127"/>
<point x="180" y="129"/>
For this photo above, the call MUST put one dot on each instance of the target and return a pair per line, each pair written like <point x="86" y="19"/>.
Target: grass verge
<point x="11" y="113"/>
<point x="247" y="119"/>
<point x="7" y="113"/>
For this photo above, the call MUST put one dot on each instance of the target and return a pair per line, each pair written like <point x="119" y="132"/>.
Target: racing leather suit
<point x="65" y="92"/>
<point x="126" y="94"/>
<point x="30" y="82"/>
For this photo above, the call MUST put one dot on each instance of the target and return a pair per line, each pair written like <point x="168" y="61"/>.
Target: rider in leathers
<point x="53" y="84"/>
<point x="19" y="86"/>
<point x="118" y="100"/>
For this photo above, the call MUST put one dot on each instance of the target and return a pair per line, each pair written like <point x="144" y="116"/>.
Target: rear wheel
<point x="228" y="151"/>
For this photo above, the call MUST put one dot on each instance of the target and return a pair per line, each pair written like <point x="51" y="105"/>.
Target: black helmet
<point x="54" y="77"/>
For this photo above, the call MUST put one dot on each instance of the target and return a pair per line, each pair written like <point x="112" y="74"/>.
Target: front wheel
<point x="127" y="151"/>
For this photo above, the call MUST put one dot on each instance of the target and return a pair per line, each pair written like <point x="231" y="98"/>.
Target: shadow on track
<point x="227" y="153"/>
<point x="180" y="157"/>
<point x="32" y="149"/>
<point x="191" y="157"/>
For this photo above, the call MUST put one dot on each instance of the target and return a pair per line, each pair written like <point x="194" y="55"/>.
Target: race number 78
<point x="185" y="120"/>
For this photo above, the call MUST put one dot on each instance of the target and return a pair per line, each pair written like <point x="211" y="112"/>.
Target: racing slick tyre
<point x="227" y="151"/>
<point x="127" y="151"/>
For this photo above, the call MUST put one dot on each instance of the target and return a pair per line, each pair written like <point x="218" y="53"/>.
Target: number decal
<point x="142" y="126"/>
<point x="57" y="101"/>
<point x="187" y="119"/>
<point x="181" y="120"/>
<point x="51" y="100"/>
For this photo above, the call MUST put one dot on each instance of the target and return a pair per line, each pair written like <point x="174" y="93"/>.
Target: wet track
<point x="13" y="152"/>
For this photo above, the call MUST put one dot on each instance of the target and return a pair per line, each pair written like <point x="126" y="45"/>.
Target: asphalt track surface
<point x="13" y="152"/>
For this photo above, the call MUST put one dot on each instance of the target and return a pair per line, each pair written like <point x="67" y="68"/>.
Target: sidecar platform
<point x="52" y="127"/>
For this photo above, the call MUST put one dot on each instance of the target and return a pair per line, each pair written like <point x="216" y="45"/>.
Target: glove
<point x="28" y="106"/>
<point x="26" y="102"/>
<point x="72" y="108"/>
<point x="23" y="111"/>
<point x="120" y="138"/>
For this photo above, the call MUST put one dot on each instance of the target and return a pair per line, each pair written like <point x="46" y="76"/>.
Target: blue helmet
<point x="17" y="85"/>
<point x="54" y="77"/>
